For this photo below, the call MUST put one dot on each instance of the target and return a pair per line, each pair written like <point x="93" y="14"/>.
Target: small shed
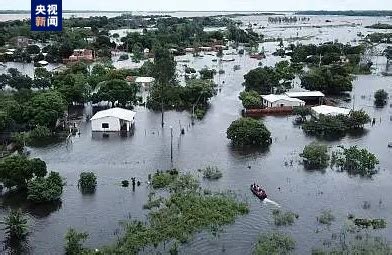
<point x="113" y="120"/>
<point x="281" y="101"/>
<point x="329" y="111"/>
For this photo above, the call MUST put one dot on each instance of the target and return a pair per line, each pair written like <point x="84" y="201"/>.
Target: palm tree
<point x="16" y="226"/>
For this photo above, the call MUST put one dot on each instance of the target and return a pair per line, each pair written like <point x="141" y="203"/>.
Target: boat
<point x="390" y="144"/>
<point x="258" y="191"/>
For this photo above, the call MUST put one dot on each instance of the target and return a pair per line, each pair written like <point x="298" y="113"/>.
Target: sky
<point x="209" y="5"/>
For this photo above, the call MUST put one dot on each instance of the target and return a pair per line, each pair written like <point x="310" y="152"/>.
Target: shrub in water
<point x="87" y="182"/>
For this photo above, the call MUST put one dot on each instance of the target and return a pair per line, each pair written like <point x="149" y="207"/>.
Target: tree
<point x="46" y="108"/>
<point x="355" y="161"/>
<point x="328" y="79"/>
<point x="117" y="91"/>
<point x="261" y="80"/>
<point x="42" y="190"/>
<point x="164" y="72"/>
<point x="87" y="182"/>
<point x="206" y="73"/>
<point x="16" y="226"/>
<point x="74" y="242"/>
<point x="73" y="87"/>
<point x="248" y="131"/>
<point x="380" y="97"/>
<point x="33" y="49"/>
<point x="315" y="156"/>
<point x="17" y="171"/>
<point x="250" y="99"/>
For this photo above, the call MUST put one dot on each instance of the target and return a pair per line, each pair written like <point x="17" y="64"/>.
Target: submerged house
<point x="272" y="100"/>
<point x="113" y="120"/>
<point x="81" y="54"/>
<point x="310" y="97"/>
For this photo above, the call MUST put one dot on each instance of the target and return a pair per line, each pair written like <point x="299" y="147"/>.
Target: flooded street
<point x="288" y="184"/>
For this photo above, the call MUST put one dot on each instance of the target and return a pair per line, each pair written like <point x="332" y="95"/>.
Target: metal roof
<point x="305" y="94"/>
<point x="330" y="110"/>
<point x="119" y="113"/>
<point x="144" y="79"/>
<point x="273" y="98"/>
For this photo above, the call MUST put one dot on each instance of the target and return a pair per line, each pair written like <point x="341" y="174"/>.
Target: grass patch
<point x="326" y="217"/>
<point x="211" y="173"/>
<point x="283" y="218"/>
<point x="374" y="223"/>
<point x="274" y="243"/>
<point x="162" y="179"/>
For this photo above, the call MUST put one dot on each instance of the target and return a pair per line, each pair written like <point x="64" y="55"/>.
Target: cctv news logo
<point x="46" y="15"/>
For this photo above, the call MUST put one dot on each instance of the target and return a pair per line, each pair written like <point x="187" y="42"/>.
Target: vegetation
<point x="211" y="173"/>
<point x="274" y="244"/>
<point x="379" y="37"/>
<point x="250" y="99"/>
<point x="381" y="97"/>
<point x="18" y="171"/>
<point x="74" y="242"/>
<point x="380" y="26"/>
<point x="326" y="217"/>
<point x="186" y="212"/>
<point x="16" y="227"/>
<point x="248" y="131"/>
<point x="162" y="180"/>
<point x="87" y="182"/>
<point x="283" y="218"/>
<point x="336" y="125"/>
<point x="302" y="112"/>
<point x="315" y="156"/>
<point x="355" y="161"/>
<point x="264" y="80"/>
<point x="328" y="79"/>
<point x="49" y="189"/>
<point x="374" y="223"/>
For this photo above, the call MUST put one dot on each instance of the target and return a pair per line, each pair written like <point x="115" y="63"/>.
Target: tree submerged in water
<point x="87" y="182"/>
<point x="355" y="161"/>
<point x="381" y="97"/>
<point x="248" y="131"/>
<point x="315" y="156"/>
<point x="16" y="226"/>
<point x="74" y="242"/>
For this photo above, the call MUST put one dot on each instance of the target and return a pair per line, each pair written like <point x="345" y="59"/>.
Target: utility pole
<point x="171" y="145"/>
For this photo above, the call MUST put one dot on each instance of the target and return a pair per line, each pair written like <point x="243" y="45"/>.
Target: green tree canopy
<point x="261" y="80"/>
<point x="248" y="131"/>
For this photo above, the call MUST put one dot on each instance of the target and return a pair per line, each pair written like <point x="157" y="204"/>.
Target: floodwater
<point x="278" y="169"/>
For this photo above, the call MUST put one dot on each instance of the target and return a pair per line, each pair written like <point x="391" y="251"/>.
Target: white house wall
<point x="114" y="124"/>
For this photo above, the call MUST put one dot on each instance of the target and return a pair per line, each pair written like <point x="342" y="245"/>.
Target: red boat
<point x="258" y="191"/>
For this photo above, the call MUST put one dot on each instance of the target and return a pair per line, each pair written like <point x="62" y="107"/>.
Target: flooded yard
<point x="278" y="168"/>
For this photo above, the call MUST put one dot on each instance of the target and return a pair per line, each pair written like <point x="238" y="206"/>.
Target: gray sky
<point x="207" y="5"/>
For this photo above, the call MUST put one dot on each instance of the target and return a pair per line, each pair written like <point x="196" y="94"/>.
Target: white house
<point x="281" y="101"/>
<point x="113" y="120"/>
<point x="329" y="111"/>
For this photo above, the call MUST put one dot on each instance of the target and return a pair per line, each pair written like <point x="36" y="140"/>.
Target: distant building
<point x="145" y="84"/>
<point x="81" y="54"/>
<point x="328" y="111"/>
<point x="21" y="41"/>
<point x="281" y="101"/>
<point x="113" y="120"/>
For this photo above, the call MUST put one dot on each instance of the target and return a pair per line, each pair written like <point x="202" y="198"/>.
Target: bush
<point x="87" y="182"/>
<point x="206" y="74"/>
<point x="274" y="243"/>
<point x="283" y="218"/>
<point x="326" y="217"/>
<point x="40" y="132"/>
<point x="125" y="183"/>
<point x="380" y="97"/>
<point x="315" y="156"/>
<point x="212" y="173"/>
<point x="162" y="180"/>
<point x="248" y="131"/>
<point x="49" y="189"/>
<point x="355" y="161"/>
<point x="74" y="242"/>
